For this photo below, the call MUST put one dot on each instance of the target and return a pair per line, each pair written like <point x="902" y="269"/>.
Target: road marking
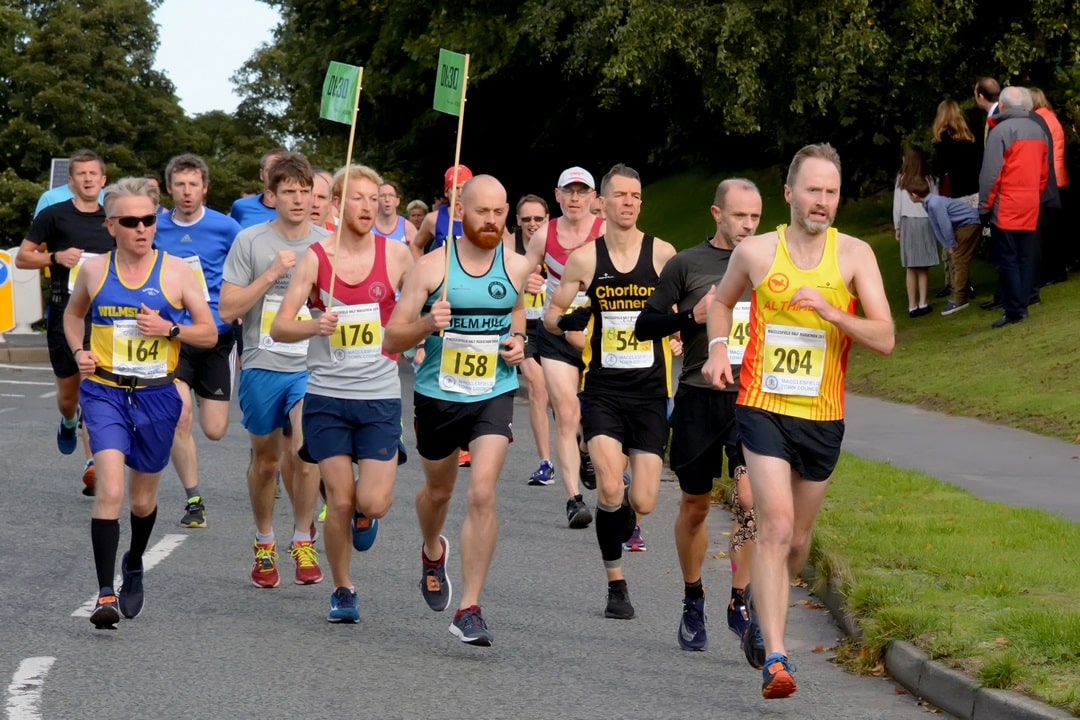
<point x="27" y="382"/>
<point x="48" y="394"/>
<point x="6" y="366"/>
<point x="150" y="558"/>
<point x="9" y="395"/>
<point x="24" y="692"/>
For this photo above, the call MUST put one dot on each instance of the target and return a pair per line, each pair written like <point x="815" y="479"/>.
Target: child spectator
<point x="918" y="251"/>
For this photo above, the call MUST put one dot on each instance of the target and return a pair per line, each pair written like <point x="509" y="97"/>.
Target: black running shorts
<point x="639" y="424"/>
<point x="812" y="447"/>
<point x="443" y="427"/>
<point x="702" y="430"/>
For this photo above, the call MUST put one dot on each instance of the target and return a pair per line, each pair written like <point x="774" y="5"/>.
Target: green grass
<point x="989" y="589"/>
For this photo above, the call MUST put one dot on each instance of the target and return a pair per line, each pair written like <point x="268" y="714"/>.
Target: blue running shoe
<point x="343" y="607"/>
<point x="737" y="616"/>
<point x="364" y="530"/>
<point x="544" y="475"/>
<point x="67" y="438"/>
<point x="470" y="628"/>
<point x="776" y="679"/>
<point x="692" y="626"/>
<point x="753" y="645"/>
<point x="131" y="589"/>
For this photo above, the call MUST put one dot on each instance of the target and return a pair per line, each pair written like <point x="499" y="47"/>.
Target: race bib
<point x="619" y="347"/>
<point x="534" y="305"/>
<point x="136" y="354"/>
<point x="582" y="298"/>
<point x="74" y="272"/>
<point x="358" y="337"/>
<point x="196" y="267"/>
<point x="468" y="363"/>
<point x="740" y="327"/>
<point x="794" y="360"/>
<point x="271" y="304"/>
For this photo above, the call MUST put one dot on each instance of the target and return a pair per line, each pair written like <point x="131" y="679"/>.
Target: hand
<point x="69" y="258"/>
<point x="717" y="369"/>
<point x="87" y="362"/>
<point x="676" y="346"/>
<point x="897" y="234"/>
<point x="418" y="358"/>
<point x="535" y="283"/>
<point x="513" y="351"/>
<point x="439" y="315"/>
<point x="327" y="324"/>
<point x="151" y="324"/>
<point x="701" y="307"/>
<point x="808" y="297"/>
<point x="577" y="320"/>
<point x="283" y="263"/>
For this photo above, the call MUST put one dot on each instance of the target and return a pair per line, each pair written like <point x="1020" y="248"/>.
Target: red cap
<point x="463" y="174"/>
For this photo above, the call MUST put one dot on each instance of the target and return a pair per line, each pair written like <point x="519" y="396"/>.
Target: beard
<point x="485" y="237"/>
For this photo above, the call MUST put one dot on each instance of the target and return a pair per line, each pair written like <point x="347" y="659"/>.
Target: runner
<point x="201" y="237"/>
<point x="352" y="410"/>
<point x="388" y="223"/>
<point x="251" y="210"/>
<point x="137" y="299"/>
<point x="703" y="419"/>
<point x="322" y="212"/>
<point x="61" y="237"/>
<point x="627" y="381"/>
<point x="464" y="390"/>
<point x="436" y="225"/>
<point x="532" y="212"/>
<point x="551" y="245"/>
<point x="274" y="376"/>
<point x="807" y="281"/>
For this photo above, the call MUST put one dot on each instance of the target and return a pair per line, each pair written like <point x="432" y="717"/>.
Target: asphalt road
<point x="209" y="644"/>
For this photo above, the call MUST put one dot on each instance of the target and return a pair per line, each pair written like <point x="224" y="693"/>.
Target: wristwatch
<point x="174" y="332"/>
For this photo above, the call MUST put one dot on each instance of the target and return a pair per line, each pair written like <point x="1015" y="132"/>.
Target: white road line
<point x="24" y="692"/>
<point x="6" y="366"/>
<point x="10" y="395"/>
<point x="150" y="558"/>
<point x="26" y="382"/>
<point x="48" y="394"/>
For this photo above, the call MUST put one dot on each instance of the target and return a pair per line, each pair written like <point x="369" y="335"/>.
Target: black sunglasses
<point x="537" y="219"/>
<point x="131" y="221"/>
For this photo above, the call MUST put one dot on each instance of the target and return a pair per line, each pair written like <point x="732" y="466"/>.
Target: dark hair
<point x="988" y="87"/>
<point x="187" y="161"/>
<point x="914" y="166"/>
<point x="725" y="186"/>
<point x="530" y="198"/>
<point x="291" y="166"/>
<point x="619" y="170"/>
<point x="83" y="156"/>
<point x="917" y="186"/>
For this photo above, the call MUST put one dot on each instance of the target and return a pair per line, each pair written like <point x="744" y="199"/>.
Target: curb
<point x="943" y="687"/>
<point x="23" y="355"/>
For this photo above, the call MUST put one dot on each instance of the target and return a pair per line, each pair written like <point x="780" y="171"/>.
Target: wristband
<point x="523" y="336"/>
<point x="75" y="353"/>
<point x="52" y="258"/>
<point x="714" y="341"/>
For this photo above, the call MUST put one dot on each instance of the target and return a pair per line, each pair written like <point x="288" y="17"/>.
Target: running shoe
<point x="306" y="556"/>
<point x="692" y="626"/>
<point x="544" y="475"/>
<point x="618" y="603"/>
<point x="194" y="514"/>
<point x="737" y="616"/>
<point x="587" y="473"/>
<point x="322" y="514"/>
<point x="89" y="478"/>
<point x="951" y="307"/>
<point x="343" y="606"/>
<point x="67" y="438"/>
<point x="635" y="543"/>
<point x="464" y="459"/>
<point x="753" y="645"/>
<point x="470" y="628"/>
<point x="577" y="514"/>
<point x="776" y="679"/>
<point x="131" y="590"/>
<point x="107" y="611"/>
<point x="264" y="572"/>
<point x="364" y="530"/>
<point x="434" y="584"/>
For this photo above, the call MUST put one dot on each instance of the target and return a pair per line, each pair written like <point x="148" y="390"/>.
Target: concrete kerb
<point x="943" y="687"/>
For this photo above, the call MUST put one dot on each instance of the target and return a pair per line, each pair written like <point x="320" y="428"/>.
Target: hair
<point x="130" y="187"/>
<point x="917" y="186"/>
<point x="393" y="184"/>
<point x="530" y="198"/>
<point x="355" y="172"/>
<point x="915" y="165"/>
<point x="417" y="204"/>
<point x="988" y="87"/>
<point x="950" y="120"/>
<point x="1015" y="97"/>
<point x="618" y="170"/>
<point x="821" y="151"/>
<point x="276" y="152"/>
<point x="185" y="162"/>
<point x="290" y="166"/>
<point x="83" y="156"/>
<point x="1038" y="99"/>
<point x="725" y="187"/>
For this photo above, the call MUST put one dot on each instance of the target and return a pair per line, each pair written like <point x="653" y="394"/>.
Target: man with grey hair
<point x="130" y="401"/>
<point x="1014" y="177"/>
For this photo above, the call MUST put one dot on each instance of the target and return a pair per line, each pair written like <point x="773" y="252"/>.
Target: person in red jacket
<point x="1054" y="245"/>
<point x="1015" y="172"/>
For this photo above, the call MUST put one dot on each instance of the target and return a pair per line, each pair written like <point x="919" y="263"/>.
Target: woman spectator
<point x="957" y="159"/>
<point x="1054" y="250"/>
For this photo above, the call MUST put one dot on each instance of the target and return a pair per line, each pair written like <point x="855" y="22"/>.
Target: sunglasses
<point x="536" y="219"/>
<point x="132" y="221"/>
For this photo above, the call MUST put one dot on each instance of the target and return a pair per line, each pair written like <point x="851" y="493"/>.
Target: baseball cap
<point x="576" y="175"/>
<point x="463" y="174"/>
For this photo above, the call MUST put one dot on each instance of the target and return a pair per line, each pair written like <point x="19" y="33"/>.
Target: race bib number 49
<point x="740" y="325"/>
<point x="468" y="363"/>
<point x="794" y="360"/>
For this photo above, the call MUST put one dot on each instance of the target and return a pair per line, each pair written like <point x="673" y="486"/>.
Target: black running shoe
<point x="470" y="628"/>
<point x="434" y="584"/>
<point x="587" y="473"/>
<point x="577" y="514"/>
<point x="130" y="596"/>
<point x="618" y="603"/>
<point x="753" y="645"/>
<point x="107" y="611"/>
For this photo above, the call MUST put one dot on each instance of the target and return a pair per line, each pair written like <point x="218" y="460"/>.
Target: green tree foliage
<point x="661" y="83"/>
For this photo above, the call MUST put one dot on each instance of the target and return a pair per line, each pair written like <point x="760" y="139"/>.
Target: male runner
<point x="61" y="237"/>
<point x="551" y="245"/>
<point x="807" y="281"/>
<point x="627" y="381"/>
<point x="352" y="410"/>
<point x="436" y="225"/>
<point x="322" y="212"/>
<point x="464" y="389"/>
<point x="201" y="237"/>
<point x="274" y="376"/>
<point x="387" y="221"/>
<point x="138" y="300"/>
<point x="255" y="209"/>
<point x="703" y="419"/>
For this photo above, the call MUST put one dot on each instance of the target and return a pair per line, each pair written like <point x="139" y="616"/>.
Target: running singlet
<point x="534" y="302"/>
<point x="351" y="364"/>
<point x="464" y="364"/>
<point x="616" y="361"/>
<point x="114" y="332"/>
<point x="555" y="257"/>
<point x="442" y="223"/>
<point x="795" y="361"/>
<point x="398" y="233"/>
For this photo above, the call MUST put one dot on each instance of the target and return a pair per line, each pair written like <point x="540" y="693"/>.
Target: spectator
<point x="918" y="250"/>
<point x="1054" y="246"/>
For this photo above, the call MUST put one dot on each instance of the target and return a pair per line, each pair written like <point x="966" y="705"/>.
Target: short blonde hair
<point x="355" y="172"/>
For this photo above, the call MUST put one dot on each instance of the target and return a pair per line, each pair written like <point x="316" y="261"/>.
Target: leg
<point x="609" y="461"/>
<point x="262" y="477"/>
<point x="922" y="276"/>
<point x="743" y="531"/>
<point x="967" y="240"/>
<point x="305" y="477"/>
<point x="480" y="529"/>
<point x="67" y="395"/>
<point x="433" y="500"/>
<point x="337" y="475"/>
<point x="184" y="455"/>
<point x="691" y="536"/>
<point x="912" y="288"/>
<point x="562" y="385"/>
<point x="538" y="405"/>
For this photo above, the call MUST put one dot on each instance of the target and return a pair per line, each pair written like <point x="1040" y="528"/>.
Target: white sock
<point x="266" y="539"/>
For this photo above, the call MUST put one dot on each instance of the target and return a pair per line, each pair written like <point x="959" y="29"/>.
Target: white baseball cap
<point x="576" y="175"/>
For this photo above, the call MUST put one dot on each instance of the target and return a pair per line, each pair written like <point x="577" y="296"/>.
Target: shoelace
<point x="265" y="555"/>
<point x="305" y="554"/>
